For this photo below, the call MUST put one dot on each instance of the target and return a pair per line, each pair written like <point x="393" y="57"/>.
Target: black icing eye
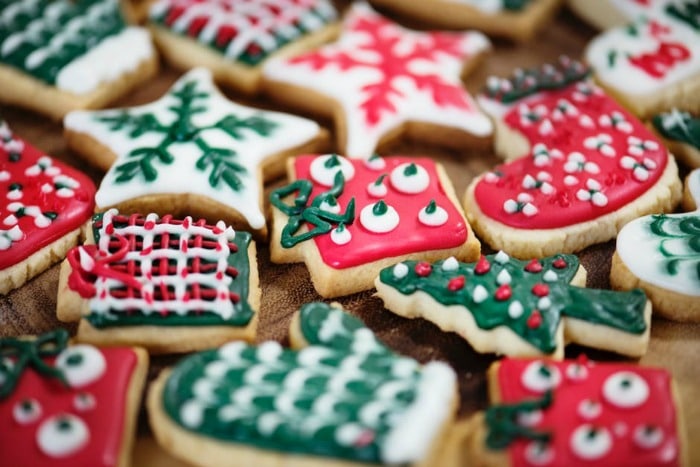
<point x="81" y="364"/>
<point x="62" y="435"/>
<point x="26" y="411"/>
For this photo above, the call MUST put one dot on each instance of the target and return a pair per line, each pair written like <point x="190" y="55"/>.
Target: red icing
<point x="534" y="266"/>
<point x="561" y="207"/>
<point x="562" y="417"/>
<point x="658" y="63"/>
<point x="18" y="445"/>
<point x="482" y="266"/>
<point x="456" y="283"/>
<point x="423" y="269"/>
<point x="409" y="236"/>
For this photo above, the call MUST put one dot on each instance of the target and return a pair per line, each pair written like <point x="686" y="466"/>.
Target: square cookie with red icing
<point x="349" y="218"/>
<point x="167" y="284"/>
<point x="68" y="405"/>
<point x="578" y="412"/>
<point x="44" y="207"/>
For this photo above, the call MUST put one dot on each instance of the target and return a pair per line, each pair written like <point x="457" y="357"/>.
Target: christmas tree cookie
<point x="380" y="81"/>
<point x="349" y="218"/>
<point x="44" y="207"/>
<point x="681" y="134"/>
<point x="167" y="284"/>
<point x="64" y="404"/>
<point x="192" y="152"/>
<point x="661" y="254"/>
<point x="521" y="308"/>
<point x="234" y="38"/>
<point x="578" y="412"/>
<point x="578" y="165"/>
<point x="57" y="56"/>
<point x="340" y="398"/>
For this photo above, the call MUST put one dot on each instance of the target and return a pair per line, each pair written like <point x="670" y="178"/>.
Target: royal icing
<point x="390" y="76"/>
<point x="244" y="31"/>
<point x="192" y="140"/>
<point x="346" y="395"/>
<point x="494" y="6"/>
<point x="630" y="417"/>
<point x="162" y="271"/>
<point x="679" y="126"/>
<point x="41" y="199"/>
<point x="40" y="382"/>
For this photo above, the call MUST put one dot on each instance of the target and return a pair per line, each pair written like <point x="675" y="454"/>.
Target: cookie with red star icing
<point x="578" y="412"/>
<point x="68" y="405"/>
<point x="44" y="206"/>
<point x="349" y="218"/>
<point x="380" y="81"/>
<point x="234" y="38"/>
<point x="579" y="166"/>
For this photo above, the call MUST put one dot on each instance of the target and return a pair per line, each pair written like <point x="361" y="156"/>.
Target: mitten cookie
<point x="520" y="308"/>
<point x="681" y="134"/>
<point x="192" y="152"/>
<point x="57" y="56"/>
<point x="578" y="412"/>
<point x="380" y="80"/>
<point x="653" y="63"/>
<point x="43" y="210"/>
<point x="343" y="399"/>
<point x="234" y="38"/>
<point x="166" y="284"/>
<point x="514" y="19"/>
<point x="661" y="254"/>
<point x="349" y="218"/>
<point x="579" y="165"/>
<point x="64" y="404"/>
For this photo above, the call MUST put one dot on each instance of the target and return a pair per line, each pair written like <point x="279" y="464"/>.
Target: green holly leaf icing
<point x="345" y="395"/>
<point x="679" y="126"/>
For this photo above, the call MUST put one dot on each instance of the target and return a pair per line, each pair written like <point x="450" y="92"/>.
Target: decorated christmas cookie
<point x="170" y="285"/>
<point x="44" y="206"/>
<point x="681" y="133"/>
<point x="661" y="254"/>
<point x="515" y="19"/>
<point x="56" y="56"/>
<point x="579" y="166"/>
<point x="605" y="14"/>
<point x="653" y="63"/>
<point x="68" y="405"/>
<point x="349" y="218"/>
<point x="193" y="152"/>
<point x="380" y="81"/>
<point x="521" y="308"/>
<point x="578" y="412"/>
<point x="234" y="38"/>
<point x="342" y="399"/>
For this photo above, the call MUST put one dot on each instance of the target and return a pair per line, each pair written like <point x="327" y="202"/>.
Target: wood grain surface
<point x="31" y="308"/>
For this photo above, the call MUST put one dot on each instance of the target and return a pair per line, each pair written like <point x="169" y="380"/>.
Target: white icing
<point x="375" y="162"/>
<point x="625" y="389"/>
<point x="341" y="237"/>
<point x="480" y="294"/>
<point x="577" y="372"/>
<point x="62" y="435"/>
<point x="544" y="303"/>
<point x="192" y="413"/>
<point x="540" y="377"/>
<point x="450" y="264"/>
<point x="530" y="418"/>
<point x="589" y="409"/>
<point x="515" y="309"/>
<point x="434" y="219"/>
<point x="400" y="271"/>
<point x="501" y="257"/>
<point x="538" y="453"/>
<point x="84" y="402"/>
<point x="590" y="447"/>
<point x="81" y="364"/>
<point x="647" y="437"/>
<point x="328" y="207"/>
<point x="377" y="190"/>
<point x="324" y="175"/>
<point x="269" y="351"/>
<point x="379" y="223"/>
<point x="550" y="276"/>
<point x="26" y="411"/>
<point x="409" y="184"/>
<point x="503" y="277"/>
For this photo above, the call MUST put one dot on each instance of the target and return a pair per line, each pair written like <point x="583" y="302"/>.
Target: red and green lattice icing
<point x="529" y="297"/>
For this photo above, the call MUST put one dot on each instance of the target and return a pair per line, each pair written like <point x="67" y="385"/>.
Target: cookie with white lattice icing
<point x="578" y="412"/>
<point x="163" y="283"/>
<point x="349" y="218"/>
<point x="579" y="166"/>
<point x="681" y="133"/>
<point x="339" y="398"/>
<point x="234" y="38"/>
<point x="192" y="152"/>
<point x="661" y="254"/>
<point x="58" y="56"/>
<point x="520" y="20"/>
<point x="44" y="207"/>
<point x="380" y="81"/>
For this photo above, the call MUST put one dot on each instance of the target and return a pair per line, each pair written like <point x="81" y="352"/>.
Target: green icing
<point x="671" y="230"/>
<point x="515" y="5"/>
<point x="686" y="11"/>
<point x="679" y="126"/>
<point x="503" y="427"/>
<point x="483" y="294"/>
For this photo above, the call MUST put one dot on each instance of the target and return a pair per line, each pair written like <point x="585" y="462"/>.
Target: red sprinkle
<point x="535" y="320"/>
<point x="456" y="283"/>
<point x="533" y="266"/>
<point x="482" y="266"/>
<point x="559" y="263"/>
<point x="540" y="290"/>
<point x="504" y="292"/>
<point x="423" y="269"/>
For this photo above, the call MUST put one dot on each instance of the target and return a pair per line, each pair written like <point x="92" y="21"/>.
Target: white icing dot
<point x="599" y="199"/>
<point x="4" y="175"/>
<point x="268" y="423"/>
<point x="379" y="223"/>
<point x="590" y="443"/>
<point x="192" y="413"/>
<point x="570" y="180"/>
<point x="539" y="453"/>
<point x="515" y="309"/>
<point x="26" y="411"/>
<point x="377" y="190"/>
<point x="589" y="409"/>
<point x="81" y="364"/>
<point x="544" y="303"/>
<point x="400" y="271"/>
<point x="269" y="351"/>
<point x="375" y="163"/>
<point x="577" y="372"/>
<point x="14" y="195"/>
<point x="510" y="206"/>
<point x="84" y="402"/>
<point x="540" y="376"/>
<point x="530" y="209"/>
<point x="550" y="276"/>
<point x="409" y="178"/>
<point x="62" y="435"/>
<point x="503" y="277"/>
<point x="625" y="389"/>
<point x="434" y="219"/>
<point x="530" y="418"/>
<point x="480" y="294"/>
<point x="648" y="437"/>
<point x="502" y="257"/>
<point x="323" y="169"/>
<point x="347" y="434"/>
<point x="341" y="237"/>
<point x="328" y="207"/>
<point x="450" y="264"/>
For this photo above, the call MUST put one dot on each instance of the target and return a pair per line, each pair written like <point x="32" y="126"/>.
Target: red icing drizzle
<point x="562" y="417"/>
<point x="18" y="445"/>
<point x="409" y="236"/>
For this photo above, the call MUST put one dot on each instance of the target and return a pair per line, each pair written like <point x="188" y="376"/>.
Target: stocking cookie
<point x="166" y="284"/>
<point x="578" y="413"/>
<point x="661" y="254"/>
<point x="193" y="152"/>
<point x="235" y="38"/>
<point x="343" y="398"/>
<point x="349" y="218"/>
<point x="579" y="166"/>
<point x="66" y="404"/>
<point x="521" y="308"/>
<point x="681" y="134"/>
<point x="379" y="80"/>
<point x="57" y="56"/>
<point x="44" y="207"/>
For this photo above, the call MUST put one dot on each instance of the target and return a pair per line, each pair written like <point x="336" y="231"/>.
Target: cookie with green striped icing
<point x="343" y="397"/>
